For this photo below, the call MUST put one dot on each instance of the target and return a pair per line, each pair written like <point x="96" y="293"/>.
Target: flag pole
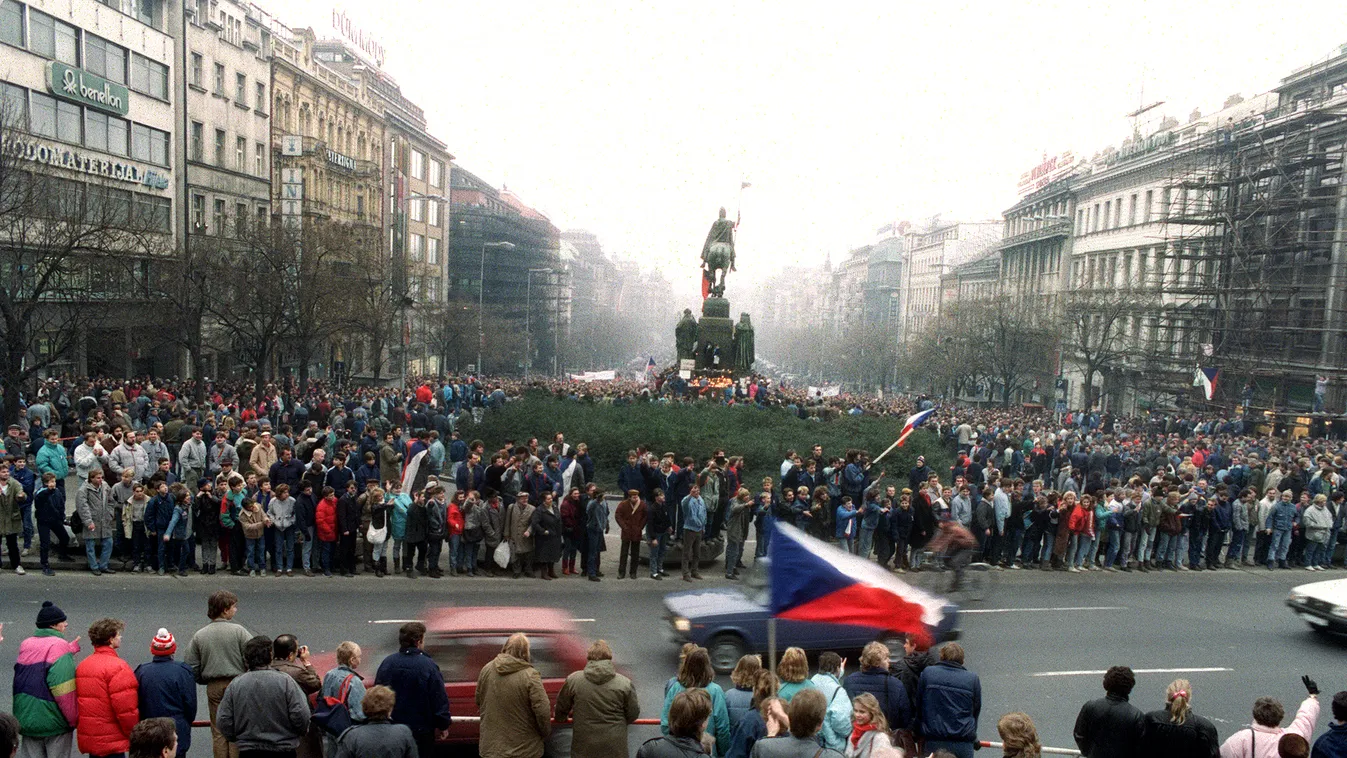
<point x="889" y="450"/>
<point x="771" y="644"/>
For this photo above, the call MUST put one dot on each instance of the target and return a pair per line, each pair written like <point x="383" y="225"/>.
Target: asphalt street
<point x="1039" y="642"/>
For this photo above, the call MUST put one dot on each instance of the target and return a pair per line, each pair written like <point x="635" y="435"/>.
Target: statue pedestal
<point x="715" y="336"/>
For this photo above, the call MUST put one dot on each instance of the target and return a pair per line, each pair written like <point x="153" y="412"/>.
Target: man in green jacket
<point x="11" y="516"/>
<point x="604" y="703"/>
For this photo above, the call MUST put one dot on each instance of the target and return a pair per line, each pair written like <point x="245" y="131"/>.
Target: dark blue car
<point x="732" y="621"/>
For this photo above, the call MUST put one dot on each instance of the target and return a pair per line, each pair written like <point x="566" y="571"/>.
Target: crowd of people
<point x="379" y="480"/>
<point x="266" y="699"/>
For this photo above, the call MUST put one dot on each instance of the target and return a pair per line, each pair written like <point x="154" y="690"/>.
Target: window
<point x="42" y="115"/>
<point x="219" y="79"/>
<point x="11" y="23"/>
<point x="436" y="174"/>
<point x="1132" y="211"/>
<point x="360" y="207"/>
<point x="149" y="77"/>
<point x="197" y="64"/>
<point x="241" y="89"/>
<point x="260" y="157"/>
<point x="241" y="154"/>
<point x="433" y="212"/>
<point x="416" y="247"/>
<point x="433" y="250"/>
<point x="240" y="219"/>
<point x="418" y="165"/>
<point x="1108" y="213"/>
<point x="220" y="147"/>
<point x="105" y="59"/>
<point x="54" y="39"/>
<point x="68" y="127"/>
<point x="1146" y="211"/>
<point x="261" y="102"/>
<point x="149" y="144"/>
<point x="199" y="212"/>
<point x="418" y="207"/>
<point x="154" y="213"/>
<point x="109" y="206"/>
<point x="198" y="145"/>
<point x="433" y="289"/>
<point x="219" y="218"/>
<point x="105" y="132"/>
<point x="14" y="102"/>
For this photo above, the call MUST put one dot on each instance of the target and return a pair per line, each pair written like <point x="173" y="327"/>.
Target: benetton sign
<point x="79" y="86"/>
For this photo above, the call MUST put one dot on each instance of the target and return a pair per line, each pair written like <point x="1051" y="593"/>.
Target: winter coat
<point x="670" y="747"/>
<point x="631" y="519"/>
<point x="1109" y="727"/>
<point x="206" y="517"/>
<point x="418" y="521"/>
<point x="790" y="746"/>
<point x="397" y="516"/>
<point x="325" y="519"/>
<point x="95" y="507"/>
<point x="108" y="695"/>
<point x="376" y="739"/>
<point x="178" y="523"/>
<point x="837" y="716"/>
<point x="603" y="703"/>
<point x="168" y="689"/>
<point x="437" y="519"/>
<point x="738" y="519"/>
<point x="44" y="685"/>
<point x="253" y="521"/>
<point x="493" y="525"/>
<point x="348" y="515"/>
<point x="949" y="701"/>
<point x="11" y="513"/>
<point x="545" y="524"/>
<point x="1282" y="518"/>
<point x="281" y="512"/>
<point x="1265" y="738"/>
<point x="1316" y="522"/>
<point x="264" y="710"/>
<point x="1194" y="738"/>
<point x="596" y="516"/>
<point x="425" y="705"/>
<point x="887" y="689"/>
<point x="517" y="521"/>
<point x="52" y="458"/>
<point x="1332" y="744"/>
<point x="390" y="464"/>
<point x="516" y="714"/>
<point x="719" y="724"/>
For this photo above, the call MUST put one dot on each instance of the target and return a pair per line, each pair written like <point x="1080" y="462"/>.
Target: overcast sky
<point x="637" y="121"/>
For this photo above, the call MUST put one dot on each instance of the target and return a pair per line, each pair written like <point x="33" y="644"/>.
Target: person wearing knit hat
<point x="168" y="688"/>
<point x="46" y="667"/>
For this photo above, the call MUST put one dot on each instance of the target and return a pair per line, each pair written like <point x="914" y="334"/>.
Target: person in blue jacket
<point x="422" y="704"/>
<point x="874" y="678"/>
<point x="845" y="529"/>
<point x="949" y="701"/>
<point x="168" y="689"/>
<point x="1278" y="525"/>
<point x="1333" y="743"/>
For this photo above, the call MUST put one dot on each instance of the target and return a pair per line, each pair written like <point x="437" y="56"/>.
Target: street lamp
<point x="481" y="284"/>
<point x="528" y="316"/>
<point x="406" y="301"/>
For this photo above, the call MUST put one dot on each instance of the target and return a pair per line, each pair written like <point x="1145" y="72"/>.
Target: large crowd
<point x="266" y="699"/>
<point x="146" y="478"/>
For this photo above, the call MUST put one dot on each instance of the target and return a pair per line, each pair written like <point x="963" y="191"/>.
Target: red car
<point x="463" y="640"/>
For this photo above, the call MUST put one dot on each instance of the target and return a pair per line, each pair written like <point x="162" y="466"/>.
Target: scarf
<point x="859" y="731"/>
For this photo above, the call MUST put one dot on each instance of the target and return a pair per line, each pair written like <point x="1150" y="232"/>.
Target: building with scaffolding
<point x="1261" y="205"/>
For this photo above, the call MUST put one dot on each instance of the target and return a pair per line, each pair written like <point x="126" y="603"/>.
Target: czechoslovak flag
<point x="814" y="581"/>
<point x="914" y="421"/>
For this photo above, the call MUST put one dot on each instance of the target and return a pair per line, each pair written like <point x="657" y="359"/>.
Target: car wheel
<point x="725" y="651"/>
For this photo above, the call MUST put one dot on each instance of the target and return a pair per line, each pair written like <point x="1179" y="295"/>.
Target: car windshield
<point x="462" y="656"/>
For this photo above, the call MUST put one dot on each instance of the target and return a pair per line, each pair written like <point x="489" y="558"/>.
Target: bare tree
<point x="1019" y="343"/>
<point x="254" y="278"/>
<point x="1093" y="334"/>
<point x="62" y="247"/>
<point x="324" y="261"/>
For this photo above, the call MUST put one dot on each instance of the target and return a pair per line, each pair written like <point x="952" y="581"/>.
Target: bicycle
<point x="976" y="584"/>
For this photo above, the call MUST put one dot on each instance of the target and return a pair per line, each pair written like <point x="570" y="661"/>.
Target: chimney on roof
<point x="1233" y="100"/>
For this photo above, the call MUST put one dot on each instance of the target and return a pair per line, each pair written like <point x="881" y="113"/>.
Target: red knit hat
<point x="163" y="643"/>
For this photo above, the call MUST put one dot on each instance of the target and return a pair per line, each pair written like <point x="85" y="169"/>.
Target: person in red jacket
<point x="455" y="531"/>
<point x="325" y="523"/>
<point x="107" y="693"/>
<point x="1081" y="526"/>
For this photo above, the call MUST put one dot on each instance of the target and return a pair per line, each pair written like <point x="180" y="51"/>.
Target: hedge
<point x="762" y="437"/>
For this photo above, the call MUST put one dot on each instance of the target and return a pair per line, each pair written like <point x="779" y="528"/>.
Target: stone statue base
<point x="715" y="336"/>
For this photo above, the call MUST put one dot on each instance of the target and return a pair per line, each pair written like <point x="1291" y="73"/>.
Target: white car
<point x="1323" y="605"/>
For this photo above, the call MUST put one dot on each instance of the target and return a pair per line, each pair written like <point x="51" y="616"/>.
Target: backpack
<point x="332" y="713"/>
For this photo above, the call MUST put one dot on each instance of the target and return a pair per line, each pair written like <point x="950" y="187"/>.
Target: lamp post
<point x="528" y="317"/>
<point x="481" y="284"/>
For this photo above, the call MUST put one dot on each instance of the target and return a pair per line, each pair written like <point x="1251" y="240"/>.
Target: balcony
<point x="1048" y="231"/>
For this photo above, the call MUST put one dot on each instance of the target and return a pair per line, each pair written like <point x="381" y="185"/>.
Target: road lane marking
<point x="583" y="621"/>
<point x="393" y="621"/>
<point x="1210" y="670"/>
<point x="963" y="611"/>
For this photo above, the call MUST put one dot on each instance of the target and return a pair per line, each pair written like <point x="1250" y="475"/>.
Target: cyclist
<point x="956" y="545"/>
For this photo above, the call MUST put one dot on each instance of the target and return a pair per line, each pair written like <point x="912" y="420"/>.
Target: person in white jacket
<point x="1261" y="738"/>
<point x="837" y="717"/>
<point x="89" y="455"/>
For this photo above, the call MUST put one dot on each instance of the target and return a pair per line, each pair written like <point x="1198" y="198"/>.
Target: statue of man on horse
<point x="717" y="256"/>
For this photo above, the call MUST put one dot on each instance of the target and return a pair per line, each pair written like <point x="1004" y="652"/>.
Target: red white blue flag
<point x="814" y="581"/>
<point x="914" y="421"/>
<point x="1206" y="379"/>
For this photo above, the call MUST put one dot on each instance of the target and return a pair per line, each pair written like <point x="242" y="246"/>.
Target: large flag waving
<point x="1206" y="379"/>
<point x="914" y="421"/>
<point x="814" y="581"/>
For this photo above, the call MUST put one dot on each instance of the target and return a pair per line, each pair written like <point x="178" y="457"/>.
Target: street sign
<point x="292" y="145"/>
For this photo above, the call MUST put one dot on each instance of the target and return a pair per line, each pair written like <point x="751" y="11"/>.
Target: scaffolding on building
<point x="1251" y="279"/>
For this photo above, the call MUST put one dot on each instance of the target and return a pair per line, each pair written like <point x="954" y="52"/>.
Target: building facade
<point x="88" y="99"/>
<point x="931" y="253"/>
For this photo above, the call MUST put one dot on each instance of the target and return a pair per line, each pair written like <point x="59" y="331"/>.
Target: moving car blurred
<point x="1323" y="605"/>
<point x="462" y="640"/>
<point x="732" y="621"/>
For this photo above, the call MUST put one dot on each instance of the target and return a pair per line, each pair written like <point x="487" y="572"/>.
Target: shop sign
<point x="79" y="86"/>
<point x="85" y="163"/>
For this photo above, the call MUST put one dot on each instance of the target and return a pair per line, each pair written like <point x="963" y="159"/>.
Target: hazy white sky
<point x="638" y="120"/>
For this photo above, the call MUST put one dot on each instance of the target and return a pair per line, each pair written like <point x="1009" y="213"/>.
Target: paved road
<point x="1233" y="621"/>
